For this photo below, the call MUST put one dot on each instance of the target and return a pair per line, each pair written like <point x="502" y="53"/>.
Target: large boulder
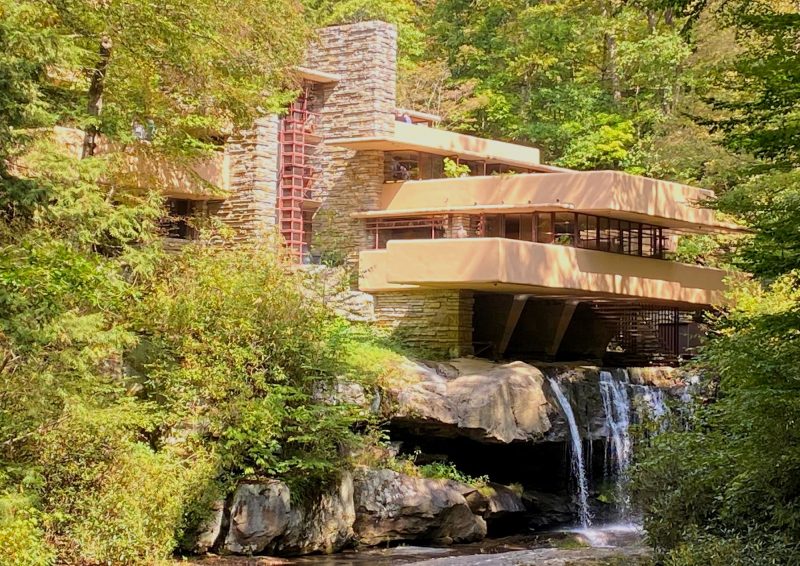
<point x="394" y="507"/>
<point x="259" y="514"/>
<point x="484" y="401"/>
<point x="503" y="403"/>
<point x="323" y="525"/>
<point x="503" y="501"/>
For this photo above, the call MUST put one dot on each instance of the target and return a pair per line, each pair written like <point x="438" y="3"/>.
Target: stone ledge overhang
<point x="501" y="265"/>
<point x="415" y="137"/>
<point x="603" y="193"/>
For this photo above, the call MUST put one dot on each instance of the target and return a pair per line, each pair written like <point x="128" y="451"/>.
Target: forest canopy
<point x="112" y="376"/>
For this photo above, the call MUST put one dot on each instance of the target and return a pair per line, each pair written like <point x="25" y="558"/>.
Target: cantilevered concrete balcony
<point x="602" y="193"/>
<point x="416" y="137"/>
<point x="198" y="179"/>
<point x="501" y="265"/>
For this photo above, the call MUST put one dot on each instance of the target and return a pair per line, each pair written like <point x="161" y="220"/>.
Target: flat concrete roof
<point x="315" y="76"/>
<point x="417" y="137"/>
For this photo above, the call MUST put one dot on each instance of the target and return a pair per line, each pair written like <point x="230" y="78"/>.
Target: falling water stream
<point x="616" y="393"/>
<point x="578" y="468"/>
<point x="617" y="408"/>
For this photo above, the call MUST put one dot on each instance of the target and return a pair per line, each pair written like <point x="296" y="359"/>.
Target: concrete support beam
<point x="561" y="327"/>
<point x="517" y="306"/>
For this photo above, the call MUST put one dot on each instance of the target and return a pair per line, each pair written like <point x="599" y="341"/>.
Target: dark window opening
<point x="176" y="224"/>
<point x="386" y="229"/>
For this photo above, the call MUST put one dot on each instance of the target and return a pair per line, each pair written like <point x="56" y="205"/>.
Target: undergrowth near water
<point x="448" y="471"/>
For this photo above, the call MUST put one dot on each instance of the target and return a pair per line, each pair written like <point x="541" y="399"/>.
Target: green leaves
<point x="238" y="353"/>
<point x="762" y="92"/>
<point x="603" y="144"/>
<point x="770" y="204"/>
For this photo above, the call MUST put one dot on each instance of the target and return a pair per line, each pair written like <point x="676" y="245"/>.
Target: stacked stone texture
<point x="436" y="320"/>
<point x="459" y="226"/>
<point x="253" y="158"/>
<point x="361" y="104"/>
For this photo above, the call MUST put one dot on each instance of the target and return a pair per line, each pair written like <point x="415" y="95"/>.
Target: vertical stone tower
<point x="253" y="159"/>
<point x="361" y="104"/>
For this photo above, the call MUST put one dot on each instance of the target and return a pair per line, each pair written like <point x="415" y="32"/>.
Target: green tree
<point x="77" y="247"/>
<point x="588" y="82"/>
<point x="727" y="492"/>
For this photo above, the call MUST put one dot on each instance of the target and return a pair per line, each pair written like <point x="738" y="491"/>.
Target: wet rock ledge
<point x="369" y="507"/>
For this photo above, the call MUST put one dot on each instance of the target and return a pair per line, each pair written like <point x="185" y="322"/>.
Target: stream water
<point x="577" y="546"/>
<point x="577" y="463"/>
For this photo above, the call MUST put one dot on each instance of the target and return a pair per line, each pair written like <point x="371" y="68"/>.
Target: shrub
<point x="448" y="471"/>
<point x="236" y="352"/>
<point x="22" y="538"/>
<point x="111" y="498"/>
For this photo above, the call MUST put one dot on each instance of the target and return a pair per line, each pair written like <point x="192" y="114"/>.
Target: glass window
<point x="564" y="228"/>
<point x="401" y="166"/>
<point x="544" y="227"/>
<point x="590" y="234"/>
<point x="647" y="241"/>
<point x="636" y="229"/>
<point x="587" y="232"/>
<point x="658" y="238"/>
<point x="604" y="235"/>
<point x="624" y="237"/>
<point x="512" y="227"/>
<point x="526" y="227"/>
<point x="613" y="235"/>
<point x="492" y="226"/>
<point x="176" y="224"/>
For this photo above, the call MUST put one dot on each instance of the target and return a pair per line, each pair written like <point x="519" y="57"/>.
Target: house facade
<point x="514" y="258"/>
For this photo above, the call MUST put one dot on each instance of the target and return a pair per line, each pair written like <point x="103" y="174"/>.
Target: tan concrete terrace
<point x="602" y="193"/>
<point x="416" y="137"/>
<point x="195" y="179"/>
<point x="501" y="265"/>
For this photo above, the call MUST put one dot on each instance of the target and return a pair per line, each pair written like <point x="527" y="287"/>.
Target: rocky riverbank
<point x="497" y="420"/>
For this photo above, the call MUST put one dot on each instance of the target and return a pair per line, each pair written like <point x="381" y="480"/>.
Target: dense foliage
<point x="135" y="387"/>
<point x="138" y="383"/>
<point x="727" y="492"/>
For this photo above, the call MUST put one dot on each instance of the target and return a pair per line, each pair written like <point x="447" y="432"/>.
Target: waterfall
<point x="655" y="400"/>
<point x="577" y="466"/>
<point x="652" y="406"/>
<point x="617" y="408"/>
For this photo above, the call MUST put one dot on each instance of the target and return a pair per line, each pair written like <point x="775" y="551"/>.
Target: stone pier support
<point x="436" y="321"/>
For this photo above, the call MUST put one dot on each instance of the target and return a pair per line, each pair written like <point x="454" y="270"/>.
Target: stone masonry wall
<point x="436" y="320"/>
<point x="361" y="104"/>
<point x="459" y="226"/>
<point x="253" y="154"/>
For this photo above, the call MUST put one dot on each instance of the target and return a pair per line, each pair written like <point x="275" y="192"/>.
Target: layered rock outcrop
<point x="506" y="403"/>
<point x="368" y="508"/>
<point x="394" y="507"/>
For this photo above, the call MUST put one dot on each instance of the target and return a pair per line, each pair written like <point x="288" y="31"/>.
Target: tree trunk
<point x="611" y="65"/>
<point x="95" y="104"/>
<point x="651" y="21"/>
<point x="669" y="17"/>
